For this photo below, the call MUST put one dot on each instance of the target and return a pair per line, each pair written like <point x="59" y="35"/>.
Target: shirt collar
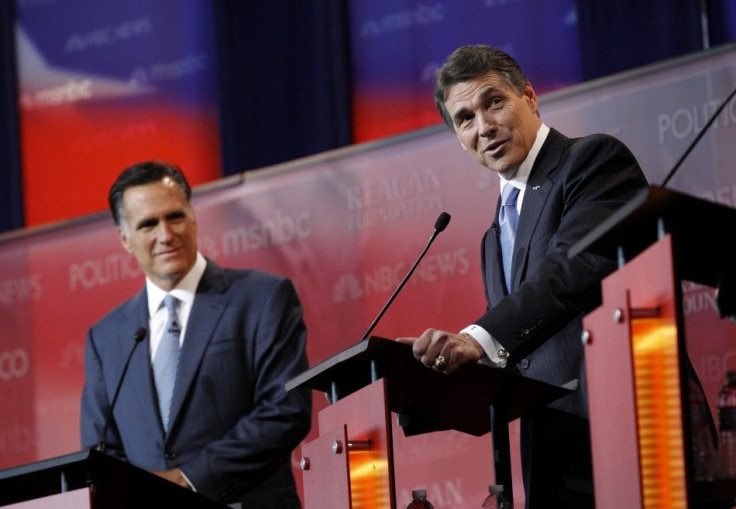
<point x="184" y="291"/>
<point x="522" y="174"/>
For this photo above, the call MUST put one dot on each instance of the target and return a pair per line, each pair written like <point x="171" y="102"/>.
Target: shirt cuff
<point x="187" y="480"/>
<point x="495" y="352"/>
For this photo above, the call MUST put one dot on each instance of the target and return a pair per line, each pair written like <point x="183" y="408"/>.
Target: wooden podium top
<point x="428" y="400"/>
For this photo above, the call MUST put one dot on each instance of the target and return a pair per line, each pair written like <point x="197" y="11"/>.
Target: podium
<point x="640" y="380"/>
<point x="350" y="464"/>
<point x="91" y="479"/>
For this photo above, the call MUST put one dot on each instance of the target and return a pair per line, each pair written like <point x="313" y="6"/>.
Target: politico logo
<point x="99" y="272"/>
<point x="688" y="121"/>
<point x="14" y="364"/>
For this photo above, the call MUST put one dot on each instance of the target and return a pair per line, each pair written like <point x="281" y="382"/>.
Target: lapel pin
<point x="536" y="188"/>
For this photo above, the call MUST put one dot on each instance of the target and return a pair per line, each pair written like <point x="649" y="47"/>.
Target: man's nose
<point x="486" y="124"/>
<point x="165" y="231"/>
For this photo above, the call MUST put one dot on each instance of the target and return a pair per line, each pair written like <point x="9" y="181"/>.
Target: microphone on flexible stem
<point x="694" y="143"/>
<point x="442" y="221"/>
<point x="140" y="334"/>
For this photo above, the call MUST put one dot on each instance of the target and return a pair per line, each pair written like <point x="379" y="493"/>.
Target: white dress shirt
<point x="184" y="291"/>
<point x="495" y="352"/>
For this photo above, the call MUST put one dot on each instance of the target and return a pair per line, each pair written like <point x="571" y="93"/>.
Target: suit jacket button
<point x="170" y="456"/>
<point x="524" y="363"/>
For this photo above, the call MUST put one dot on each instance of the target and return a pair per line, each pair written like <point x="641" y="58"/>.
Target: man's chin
<point x="503" y="168"/>
<point x="169" y="274"/>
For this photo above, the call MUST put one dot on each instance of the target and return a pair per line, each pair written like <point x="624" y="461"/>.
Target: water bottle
<point x="726" y="406"/>
<point x="496" y="498"/>
<point x="419" y="500"/>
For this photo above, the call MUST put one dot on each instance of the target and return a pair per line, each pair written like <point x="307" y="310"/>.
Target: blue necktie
<point x="508" y="220"/>
<point x="167" y="360"/>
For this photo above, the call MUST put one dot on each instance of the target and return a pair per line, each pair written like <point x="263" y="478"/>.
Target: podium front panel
<point x="326" y="471"/>
<point x="633" y="361"/>
<point x="366" y="418"/>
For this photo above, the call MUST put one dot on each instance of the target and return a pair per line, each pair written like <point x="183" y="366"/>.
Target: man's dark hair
<point x="140" y="174"/>
<point x="470" y="62"/>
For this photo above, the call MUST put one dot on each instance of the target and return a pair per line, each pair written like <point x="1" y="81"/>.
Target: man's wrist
<point x="494" y="352"/>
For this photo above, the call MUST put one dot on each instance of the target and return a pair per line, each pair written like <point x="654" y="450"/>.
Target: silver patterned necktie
<point x="508" y="220"/>
<point x="167" y="360"/>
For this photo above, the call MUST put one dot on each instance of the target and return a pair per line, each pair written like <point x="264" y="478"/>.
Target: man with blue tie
<point x="203" y="403"/>
<point x="554" y="190"/>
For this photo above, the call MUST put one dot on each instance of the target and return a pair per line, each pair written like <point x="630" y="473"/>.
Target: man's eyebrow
<point x="145" y="222"/>
<point x="488" y="91"/>
<point x="459" y="114"/>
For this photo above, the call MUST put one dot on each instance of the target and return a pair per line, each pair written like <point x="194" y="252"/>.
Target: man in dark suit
<point x="230" y="426"/>
<point x="533" y="323"/>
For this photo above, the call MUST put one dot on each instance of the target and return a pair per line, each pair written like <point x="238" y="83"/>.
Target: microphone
<point x="140" y="334"/>
<point x="439" y="226"/>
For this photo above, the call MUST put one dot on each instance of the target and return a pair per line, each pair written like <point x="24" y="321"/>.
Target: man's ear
<point x="124" y="240"/>
<point x="531" y="97"/>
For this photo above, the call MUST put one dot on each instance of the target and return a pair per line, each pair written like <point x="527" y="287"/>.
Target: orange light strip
<point x="659" y="416"/>
<point x="369" y="481"/>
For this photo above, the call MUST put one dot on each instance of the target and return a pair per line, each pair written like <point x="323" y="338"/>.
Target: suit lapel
<point x="538" y="187"/>
<point x="209" y="304"/>
<point x="493" y="262"/>
<point x="140" y="364"/>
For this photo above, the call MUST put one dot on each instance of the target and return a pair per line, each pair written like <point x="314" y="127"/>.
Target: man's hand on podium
<point x="444" y="351"/>
<point x="174" y="475"/>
